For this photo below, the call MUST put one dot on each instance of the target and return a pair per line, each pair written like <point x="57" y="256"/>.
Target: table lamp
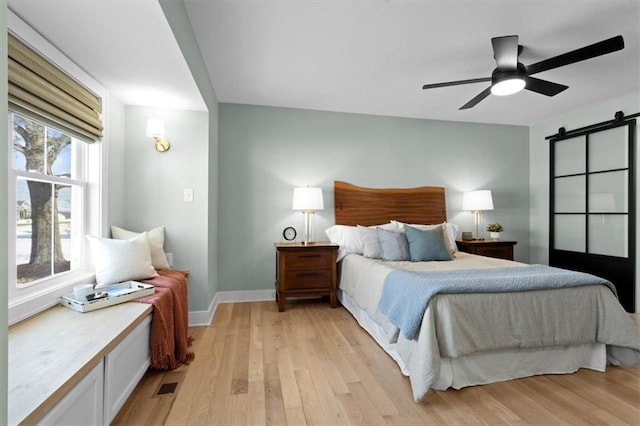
<point x="477" y="202"/>
<point x="309" y="200"/>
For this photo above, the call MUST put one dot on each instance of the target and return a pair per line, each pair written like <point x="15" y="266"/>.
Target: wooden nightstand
<point x="305" y="270"/>
<point x="501" y="249"/>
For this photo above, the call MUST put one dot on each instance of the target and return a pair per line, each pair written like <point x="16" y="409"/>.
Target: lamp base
<point x="308" y="239"/>
<point x="477" y="219"/>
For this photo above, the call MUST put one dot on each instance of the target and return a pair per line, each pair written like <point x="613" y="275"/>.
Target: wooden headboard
<point x="374" y="206"/>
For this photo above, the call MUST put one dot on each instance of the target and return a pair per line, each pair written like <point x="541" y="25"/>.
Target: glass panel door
<point x="592" y="206"/>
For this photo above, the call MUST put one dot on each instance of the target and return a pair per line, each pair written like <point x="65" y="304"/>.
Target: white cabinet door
<point x="124" y="367"/>
<point x="82" y="405"/>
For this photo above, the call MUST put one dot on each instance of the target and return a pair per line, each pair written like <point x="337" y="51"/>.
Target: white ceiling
<point x="126" y="45"/>
<point x="374" y="56"/>
<point x="367" y="57"/>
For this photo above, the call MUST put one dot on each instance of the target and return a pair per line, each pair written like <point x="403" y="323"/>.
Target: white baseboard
<point x="203" y="318"/>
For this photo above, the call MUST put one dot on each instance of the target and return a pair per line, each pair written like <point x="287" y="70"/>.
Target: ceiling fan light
<point x="508" y="86"/>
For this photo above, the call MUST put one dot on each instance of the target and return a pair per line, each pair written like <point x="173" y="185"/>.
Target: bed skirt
<point x="492" y="366"/>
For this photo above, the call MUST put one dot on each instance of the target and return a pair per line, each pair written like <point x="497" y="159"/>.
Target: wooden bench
<point x="64" y="364"/>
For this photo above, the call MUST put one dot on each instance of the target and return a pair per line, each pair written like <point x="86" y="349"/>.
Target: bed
<point x="470" y="338"/>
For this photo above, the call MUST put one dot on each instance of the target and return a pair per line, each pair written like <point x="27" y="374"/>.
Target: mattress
<point x="471" y="339"/>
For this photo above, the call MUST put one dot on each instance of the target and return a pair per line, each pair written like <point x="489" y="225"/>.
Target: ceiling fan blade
<point x="505" y="52"/>
<point x="604" y="47"/>
<point x="473" y="102"/>
<point x="544" y="87"/>
<point x="456" y="83"/>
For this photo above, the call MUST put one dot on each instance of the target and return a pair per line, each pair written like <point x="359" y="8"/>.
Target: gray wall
<point x="115" y="160"/>
<point x="178" y="20"/>
<point x="213" y="183"/>
<point x="4" y="250"/>
<point x="539" y="166"/>
<point x="265" y="152"/>
<point x="154" y="184"/>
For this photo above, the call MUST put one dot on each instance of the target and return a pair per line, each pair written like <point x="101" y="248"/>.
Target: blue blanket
<point x="406" y="294"/>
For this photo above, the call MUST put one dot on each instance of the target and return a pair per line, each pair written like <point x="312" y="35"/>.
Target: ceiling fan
<point x="511" y="76"/>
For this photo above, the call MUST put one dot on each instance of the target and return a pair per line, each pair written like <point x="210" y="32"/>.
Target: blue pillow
<point x="426" y="245"/>
<point x="394" y="245"/>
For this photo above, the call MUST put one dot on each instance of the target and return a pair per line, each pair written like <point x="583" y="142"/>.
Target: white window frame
<point x="25" y="301"/>
<point x="79" y="164"/>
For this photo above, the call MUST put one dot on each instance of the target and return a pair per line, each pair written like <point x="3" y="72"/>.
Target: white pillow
<point x="450" y="233"/>
<point x="348" y="238"/>
<point x="121" y="260"/>
<point x="156" y="242"/>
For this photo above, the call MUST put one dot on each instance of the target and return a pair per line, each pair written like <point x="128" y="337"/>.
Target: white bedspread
<point x="456" y="325"/>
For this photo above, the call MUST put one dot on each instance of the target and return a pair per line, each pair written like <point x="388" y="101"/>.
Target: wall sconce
<point x="308" y="200"/>
<point x="155" y="130"/>
<point x="477" y="202"/>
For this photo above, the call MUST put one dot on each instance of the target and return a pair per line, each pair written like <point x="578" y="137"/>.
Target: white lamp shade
<point x="477" y="200"/>
<point x="155" y="128"/>
<point x="307" y="198"/>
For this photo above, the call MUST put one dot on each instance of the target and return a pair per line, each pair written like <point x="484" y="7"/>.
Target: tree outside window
<point x="46" y="193"/>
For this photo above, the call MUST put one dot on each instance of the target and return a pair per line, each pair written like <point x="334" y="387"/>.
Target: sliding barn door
<point x="592" y="205"/>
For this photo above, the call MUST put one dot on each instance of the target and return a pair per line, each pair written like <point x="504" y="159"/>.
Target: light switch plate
<point x="188" y="195"/>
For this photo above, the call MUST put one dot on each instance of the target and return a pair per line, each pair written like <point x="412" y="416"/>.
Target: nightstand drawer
<point x="313" y="259"/>
<point x="307" y="279"/>
<point x="500" y="249"/>
<point x="497" y="252"/>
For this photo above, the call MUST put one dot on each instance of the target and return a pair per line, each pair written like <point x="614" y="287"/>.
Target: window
<point x="48" y="176"/>
<point x="54" y="201"/>
<point x="55" y="172"/>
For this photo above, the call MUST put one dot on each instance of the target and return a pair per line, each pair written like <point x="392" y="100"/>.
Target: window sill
<point x="21" y="307"/>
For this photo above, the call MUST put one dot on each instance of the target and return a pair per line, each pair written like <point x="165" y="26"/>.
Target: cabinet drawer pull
<point x="308" y="274"/>
<point x="310" y="255"/>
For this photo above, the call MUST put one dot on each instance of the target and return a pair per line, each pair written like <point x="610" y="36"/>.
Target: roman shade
<point x="39" y="89"/>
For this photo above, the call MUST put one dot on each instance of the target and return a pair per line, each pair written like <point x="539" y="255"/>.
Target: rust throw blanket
<point x="169" y="325"/>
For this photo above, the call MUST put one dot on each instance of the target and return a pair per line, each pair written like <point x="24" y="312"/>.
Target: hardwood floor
<point x="315" y="365"/>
